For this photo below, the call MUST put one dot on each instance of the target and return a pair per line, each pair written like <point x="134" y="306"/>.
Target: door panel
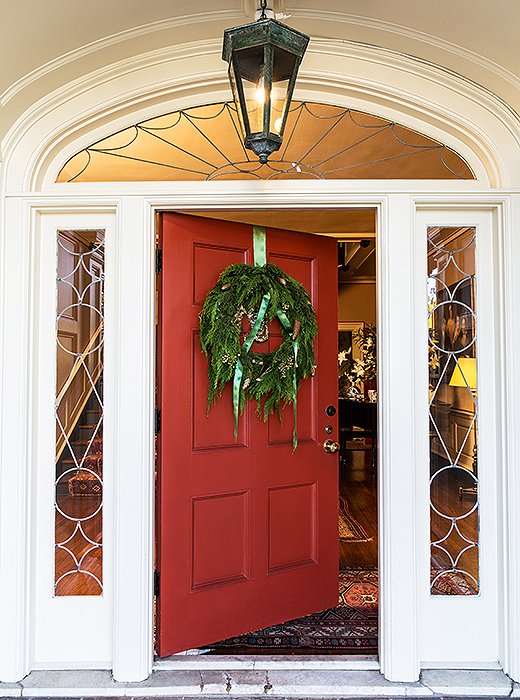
<point x="247" y="529"/>
<point x="211" y="430"/>
<point x="292" y="541"/>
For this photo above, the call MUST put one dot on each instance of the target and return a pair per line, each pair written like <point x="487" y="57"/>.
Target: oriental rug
<point x="351" y="627"/>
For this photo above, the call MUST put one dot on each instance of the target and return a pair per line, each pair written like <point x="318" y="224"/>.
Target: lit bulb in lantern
<point x="278" y="125"/>
<point x="260" y="90"/>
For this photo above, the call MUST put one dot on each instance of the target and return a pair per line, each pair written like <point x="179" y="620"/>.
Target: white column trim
<point x="511" y="438"/>
<point x="398" y="614"/>
<point x="16" y="281"/>
<point x="134" y="377"/>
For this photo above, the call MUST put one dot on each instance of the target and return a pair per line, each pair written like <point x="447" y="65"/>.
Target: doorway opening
<point x="351" y="627"/>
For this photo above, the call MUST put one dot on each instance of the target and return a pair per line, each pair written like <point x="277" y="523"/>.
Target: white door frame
<point x="130" y="403"/>
<point x="466" y="629"/>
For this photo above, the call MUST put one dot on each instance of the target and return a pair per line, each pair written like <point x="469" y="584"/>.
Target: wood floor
<point x="447" y="499"/>
<point x="357" y="485"/>
<point x="76" y="547"/>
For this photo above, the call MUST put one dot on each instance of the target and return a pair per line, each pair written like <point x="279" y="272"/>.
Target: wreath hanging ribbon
<point x="272" y="377"/>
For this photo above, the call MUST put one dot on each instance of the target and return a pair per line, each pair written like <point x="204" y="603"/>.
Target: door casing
<point x="130" y="399"/>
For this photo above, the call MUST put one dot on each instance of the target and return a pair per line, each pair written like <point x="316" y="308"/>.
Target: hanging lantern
<point x="263" y="57"/>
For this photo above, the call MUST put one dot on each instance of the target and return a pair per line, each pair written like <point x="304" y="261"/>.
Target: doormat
<point x="349" y="628"/>
<point x="350" y="530"/>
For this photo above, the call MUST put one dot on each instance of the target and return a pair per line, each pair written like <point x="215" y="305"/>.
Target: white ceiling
<point x="44" y="45"/>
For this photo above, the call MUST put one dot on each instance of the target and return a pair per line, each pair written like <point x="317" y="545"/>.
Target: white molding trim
<point x="510" y="381"/>
<point x="16" y="276"/>
<point x="134" y="380"/>
<point x="248" y="7"/>
<point x="111" y="40"/>
<point x="457" y="112"/>
<point x="400" y="31"/>
<point x="398" y="546"/>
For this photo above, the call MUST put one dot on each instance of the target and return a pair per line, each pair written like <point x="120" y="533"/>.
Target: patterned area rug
<point x="350" y="529"/>
<point x="349" y="628"/>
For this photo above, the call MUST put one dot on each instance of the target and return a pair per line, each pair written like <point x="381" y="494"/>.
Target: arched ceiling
<point x="46" y="45"/>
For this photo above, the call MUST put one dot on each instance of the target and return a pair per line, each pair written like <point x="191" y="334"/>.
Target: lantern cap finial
<point x="263" y="8"/>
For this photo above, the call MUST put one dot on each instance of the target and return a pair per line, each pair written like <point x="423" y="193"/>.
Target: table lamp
<point x="465" y="375"/>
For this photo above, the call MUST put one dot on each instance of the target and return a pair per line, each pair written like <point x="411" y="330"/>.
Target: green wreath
<point x="261" y="293"/>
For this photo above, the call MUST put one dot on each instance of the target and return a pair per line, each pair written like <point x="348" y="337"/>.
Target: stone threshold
<point x="306" y="684"/>
<point x="279" y="662"/>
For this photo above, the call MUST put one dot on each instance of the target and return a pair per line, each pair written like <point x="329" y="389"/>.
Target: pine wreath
<point x="262" y="293"/>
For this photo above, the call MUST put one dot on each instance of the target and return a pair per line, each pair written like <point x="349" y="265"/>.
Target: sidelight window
<point x="453" y="403"/>
<point x="78" y="489"/>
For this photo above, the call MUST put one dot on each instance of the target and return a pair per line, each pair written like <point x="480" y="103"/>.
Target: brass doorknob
<point x="331" y="446"/>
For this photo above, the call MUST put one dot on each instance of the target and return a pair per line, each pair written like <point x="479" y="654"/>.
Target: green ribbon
<point x="239" y="369"/>
<point x="287" y="325"/>
<point x="260" y="259"/>
<point x="259" y="246"/>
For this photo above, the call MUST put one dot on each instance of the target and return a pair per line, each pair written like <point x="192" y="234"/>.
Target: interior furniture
<point x="358" y="419"/>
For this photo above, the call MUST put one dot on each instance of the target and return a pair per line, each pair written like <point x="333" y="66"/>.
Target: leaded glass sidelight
<point x="78" y="491"/>
<point x="453" y="402"/>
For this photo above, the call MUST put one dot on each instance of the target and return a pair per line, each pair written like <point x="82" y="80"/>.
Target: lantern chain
<point x="263" y="7"/>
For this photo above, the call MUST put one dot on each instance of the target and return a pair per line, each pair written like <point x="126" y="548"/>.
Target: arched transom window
<point x="321" y="141"/>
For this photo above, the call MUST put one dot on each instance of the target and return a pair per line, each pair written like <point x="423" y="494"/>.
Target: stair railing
<point x="69" y="408"/>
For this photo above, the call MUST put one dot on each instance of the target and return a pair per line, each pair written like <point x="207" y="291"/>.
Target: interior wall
<point x="357" y="302"/>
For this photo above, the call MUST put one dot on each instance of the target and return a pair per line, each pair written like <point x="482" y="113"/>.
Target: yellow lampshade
<point x="465" y="373"/>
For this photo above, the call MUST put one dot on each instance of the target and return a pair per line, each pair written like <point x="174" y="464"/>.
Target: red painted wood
<point x="247" y="529"/>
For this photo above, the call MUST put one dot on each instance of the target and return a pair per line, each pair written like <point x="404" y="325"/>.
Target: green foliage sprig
<point x="267" y="377"/>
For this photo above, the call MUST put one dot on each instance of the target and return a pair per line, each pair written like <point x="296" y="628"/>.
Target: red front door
<point x="248" y="529"/>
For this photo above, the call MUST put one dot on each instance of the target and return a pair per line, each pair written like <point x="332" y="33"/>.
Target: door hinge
<point x="156" y="582"/>
<point x="157" y="421"/>
<point x="158" y="260"/>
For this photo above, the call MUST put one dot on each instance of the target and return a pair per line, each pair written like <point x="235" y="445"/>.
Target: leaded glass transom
<point x="321" y="142"/>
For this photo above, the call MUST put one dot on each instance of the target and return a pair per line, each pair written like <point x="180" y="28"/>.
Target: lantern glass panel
<point x="250" y="70"/>
<point x="284" y="65"/>
<point x="236" y="96"/>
